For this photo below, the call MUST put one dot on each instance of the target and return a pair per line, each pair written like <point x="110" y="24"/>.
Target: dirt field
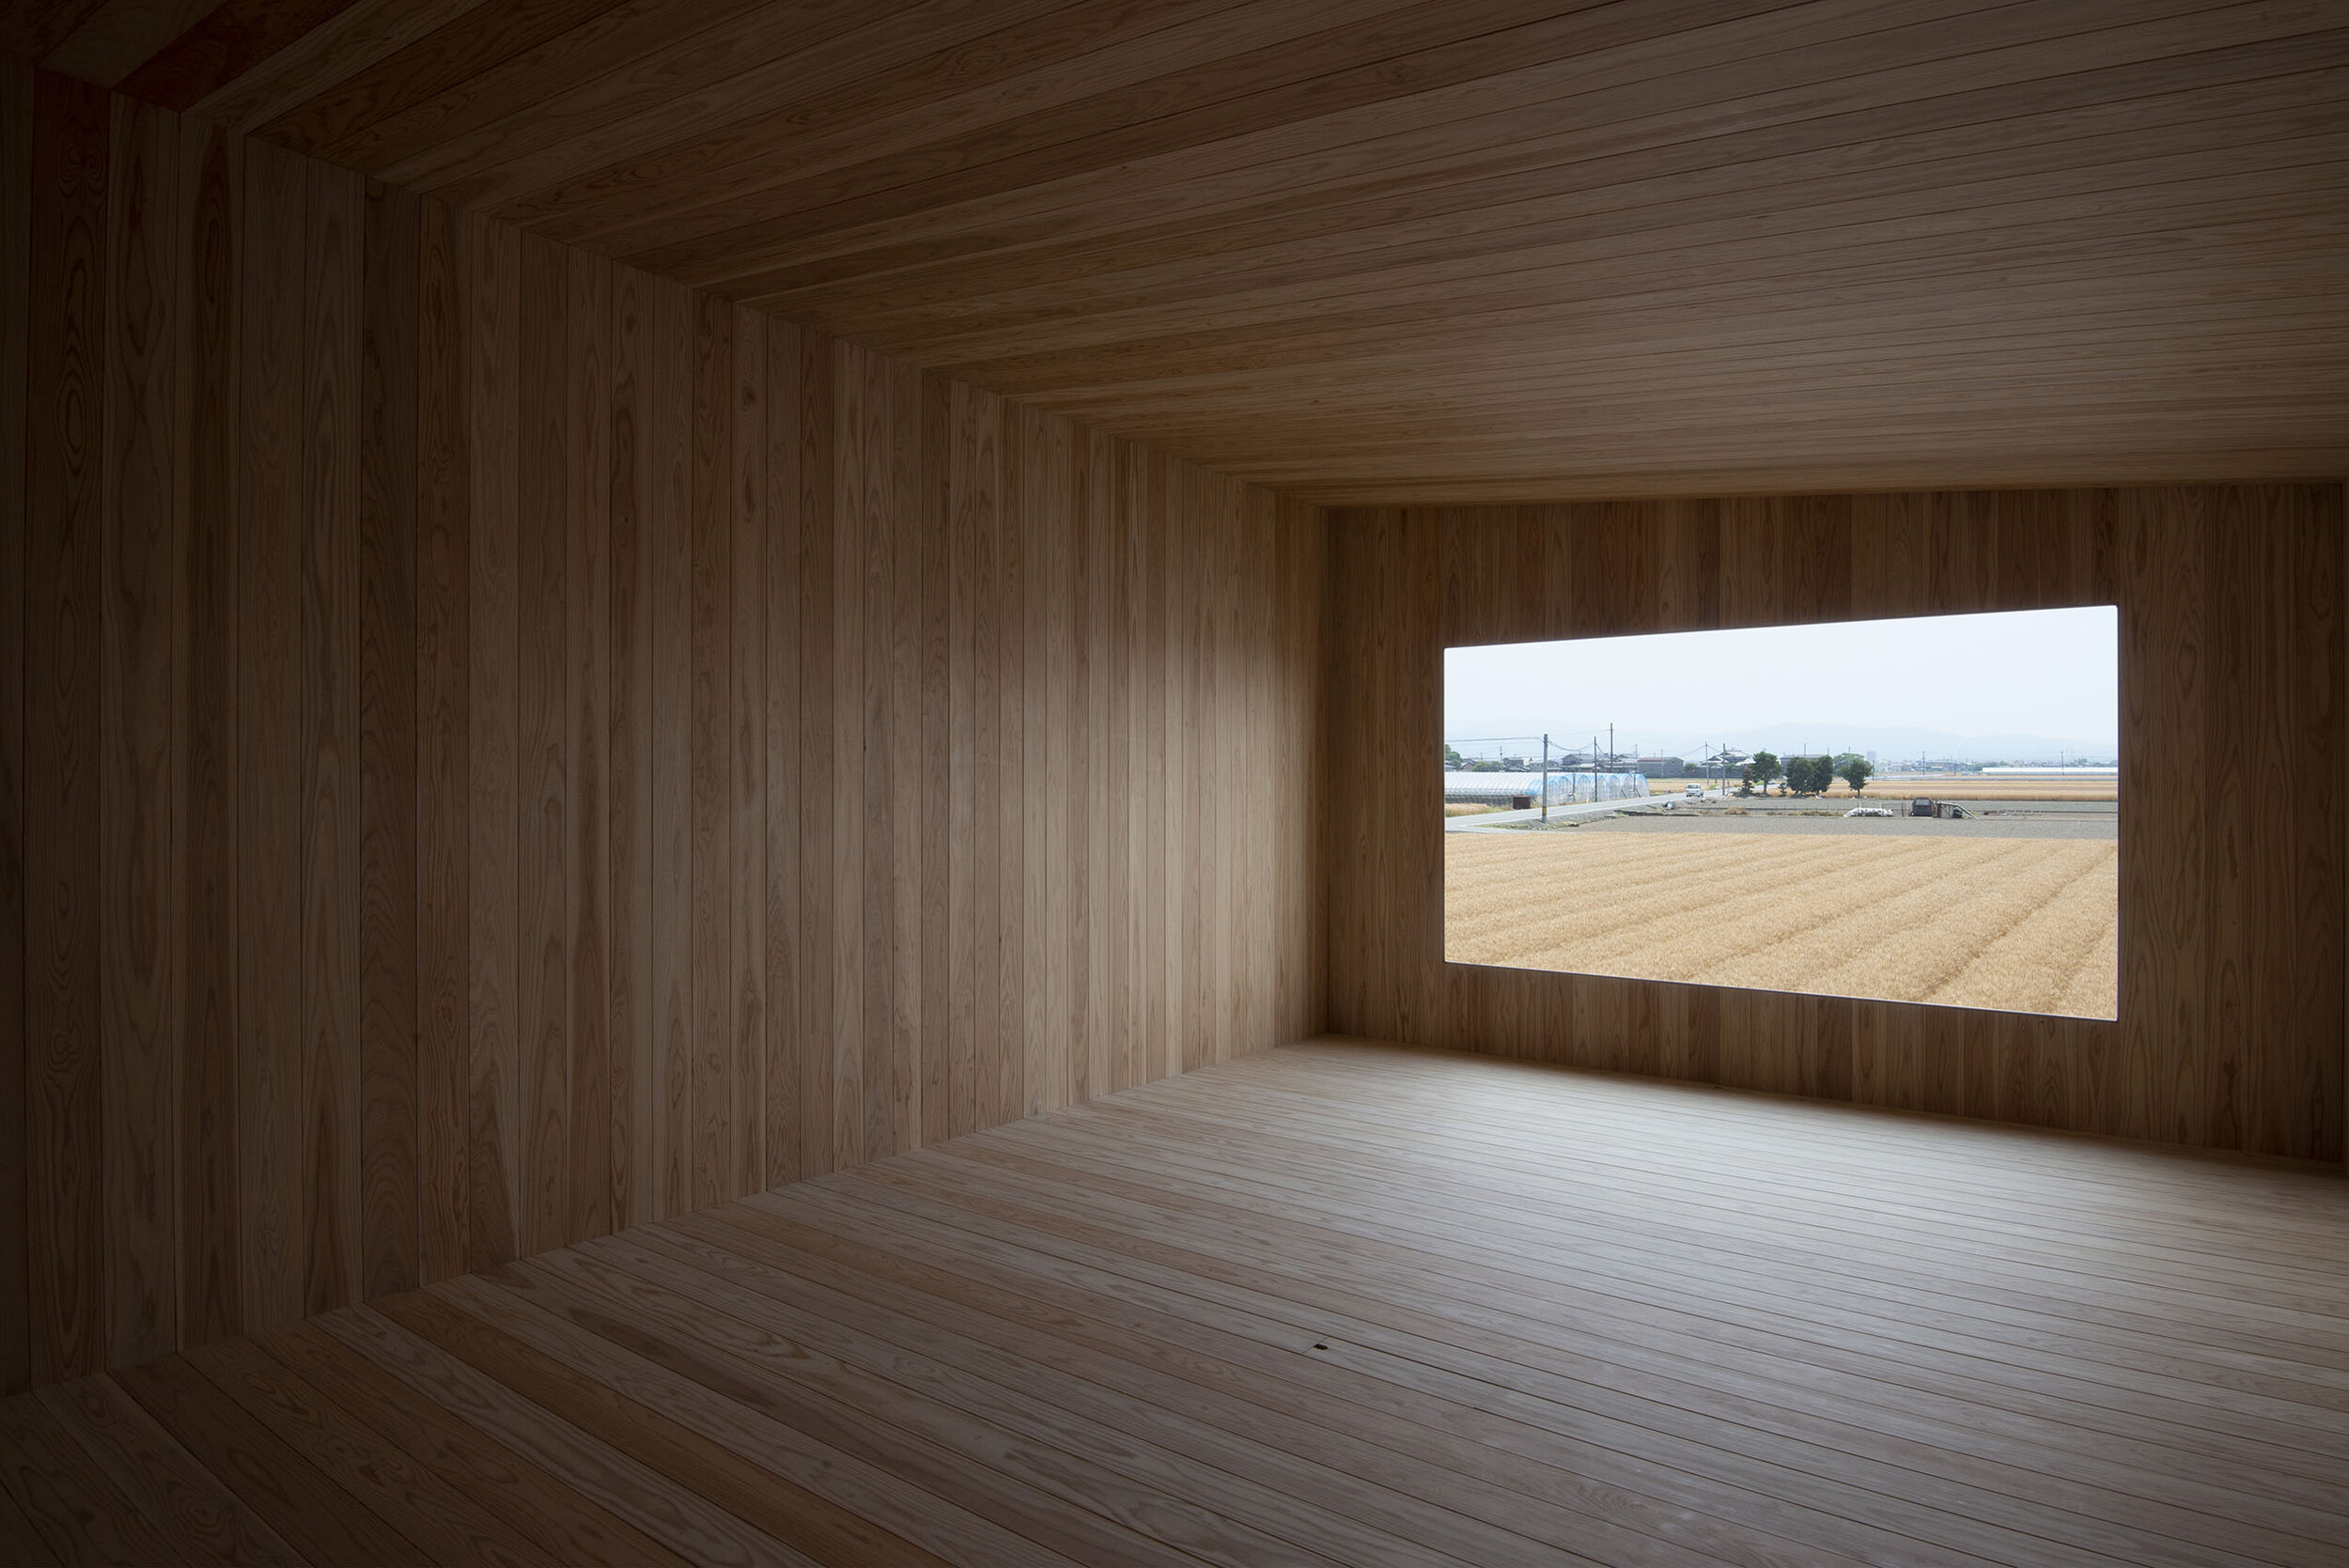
<point x="2028" y="925"/>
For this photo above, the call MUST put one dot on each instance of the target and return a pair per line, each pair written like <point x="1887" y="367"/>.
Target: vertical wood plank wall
<point x="495" y="748"/>
<point x="2230" y="1032"/>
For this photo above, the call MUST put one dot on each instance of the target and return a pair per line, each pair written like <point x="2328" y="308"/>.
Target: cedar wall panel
<point x="2230" y="1032"/>
<point x="496" y="748"/>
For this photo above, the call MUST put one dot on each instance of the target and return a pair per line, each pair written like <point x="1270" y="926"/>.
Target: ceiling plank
<point x="1389" y="250"/>
<point x="229" y="42"/>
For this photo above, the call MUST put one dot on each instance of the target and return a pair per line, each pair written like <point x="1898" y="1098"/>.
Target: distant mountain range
<point x="1891" y="743"/>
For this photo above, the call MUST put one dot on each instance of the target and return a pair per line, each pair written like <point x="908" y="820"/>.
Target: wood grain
<point x="313" y="1514"/>
<point x="588" y="809"/>
<point x="712" y="768"/>
<point x="818" y="939"/>
<point x="513" y="747"/>
<point x="441" y="1521"/>
<point x="165" y="1484"/>
<point x="628" y="764"/>
<point x="1495" y="252"/>
<point x="268" y="707"/>
<point x="490" y="290"/>
<point x="389" y="852"/>
<point x="1371" y="253"/>
<point x="1337" y="1302"/>
<point x="231" y="40"/>
<point x="572" y="1526"/>
<point x="947" y="809"/>
<point x="79" y="1515"/>
<point x="669" y="543"/>
<point x="786" y="1044"/>
<point x="444" y="694"/>
<point x="143" y="521"/>
<point x="212" y="1298"/>
<point x="332" y="1060"/>
<point x="747" y="484"/>
<point x="542" y="687"/>
<point x="16" y="214"/>
<point x="64" y="446"/>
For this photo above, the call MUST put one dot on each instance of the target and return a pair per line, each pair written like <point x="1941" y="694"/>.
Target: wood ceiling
<point x="1376" y="251"/>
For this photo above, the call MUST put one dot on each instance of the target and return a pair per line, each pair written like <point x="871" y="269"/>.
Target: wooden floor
<point x="1332" y="1303"/>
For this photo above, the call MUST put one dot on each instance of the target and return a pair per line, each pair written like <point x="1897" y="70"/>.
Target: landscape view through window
<point x="1922" y="809"/>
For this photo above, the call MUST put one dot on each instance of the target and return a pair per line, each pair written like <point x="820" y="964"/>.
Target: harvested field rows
<point x="2024" y="924"/>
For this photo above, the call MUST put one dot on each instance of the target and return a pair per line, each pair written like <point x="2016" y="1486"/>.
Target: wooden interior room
<point x="718" y="792"/>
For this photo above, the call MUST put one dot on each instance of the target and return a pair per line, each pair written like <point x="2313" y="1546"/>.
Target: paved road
<point x="2106" y="829"/>
<point x="1486" y="821"/>
<point x="1988" y="820"/>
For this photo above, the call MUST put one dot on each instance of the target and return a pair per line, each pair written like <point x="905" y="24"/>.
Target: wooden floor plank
<point x="1731" y="1460"/>
<point x="1125" y="1354"/>
<point x="1543" y="1318"/>
<point x="1271" y="1353"/>
<point x="1278" y="1319"/>
<point x="1151" y="1326"/>
<point x="1836" y="1200"/>
<point x="445" y="1524"/>
<point x="1315" y="1470"/>
<point x="1834" y="1207"/>
<point x="2094" y="1318"/>
<point x="953" y="1472"/>
<point x="784" y="1509"/>
<point x="165" y="1481"/>
<point x="673" y="1517"/>
<point x="1336" y="1302"/>
<point x="79" y="1514"/>
<point x="920" y="1514"/>
<point x="2121" y="1492"/>
<point x="2293" y="1371"/>
<point x="1085" y="1465"/>
<point x="19" y="1540"/>
<point x="638" y="1434"/>
<point x="566" y="1522"/>
<point x="321" y="1520"/>
<point x="2076" y="1176"/>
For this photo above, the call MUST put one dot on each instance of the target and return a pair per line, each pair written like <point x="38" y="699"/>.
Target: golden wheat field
<point x="2028" y="925"/>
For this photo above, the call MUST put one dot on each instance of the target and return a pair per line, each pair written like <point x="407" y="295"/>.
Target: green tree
<point x="1765" y="769"/>
<point x="1451" y="757"/>
<point x="1855" y="769"/>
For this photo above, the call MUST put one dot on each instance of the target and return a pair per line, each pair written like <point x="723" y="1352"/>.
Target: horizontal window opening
<point x="1921" y="810"/>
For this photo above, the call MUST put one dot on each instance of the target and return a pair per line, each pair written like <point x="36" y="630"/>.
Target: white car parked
<point x="1867" y="811"/>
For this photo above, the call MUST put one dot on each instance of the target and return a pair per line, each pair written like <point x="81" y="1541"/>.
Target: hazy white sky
<point x="2052" y="673"/>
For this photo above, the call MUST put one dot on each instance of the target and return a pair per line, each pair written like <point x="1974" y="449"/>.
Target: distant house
<point x="1662" y="768"/>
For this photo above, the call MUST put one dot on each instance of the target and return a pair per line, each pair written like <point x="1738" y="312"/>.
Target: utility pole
<point x="1545" y="776"/>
